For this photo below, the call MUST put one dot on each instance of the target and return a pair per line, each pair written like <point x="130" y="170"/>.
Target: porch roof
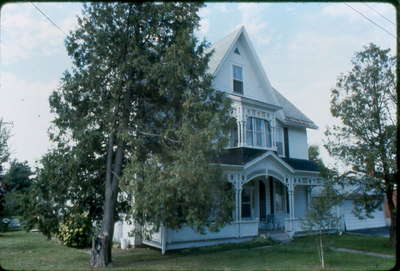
<point x="242" y="156"/>
<point x="301" y="164"/>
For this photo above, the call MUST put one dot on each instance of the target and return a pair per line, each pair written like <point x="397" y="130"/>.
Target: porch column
<point x="308" y="196"/>
<point x="238" y="201"/>
<point x="291" y="203"/>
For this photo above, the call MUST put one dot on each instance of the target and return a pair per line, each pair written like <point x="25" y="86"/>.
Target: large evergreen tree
<point x="137" y="91"/>
<point x="365" y="101"/>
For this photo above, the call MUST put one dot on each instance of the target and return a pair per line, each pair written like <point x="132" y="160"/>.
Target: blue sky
<point x="303" y="47"/>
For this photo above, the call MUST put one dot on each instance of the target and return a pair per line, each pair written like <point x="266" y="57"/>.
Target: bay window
<point x="258" y="132"/>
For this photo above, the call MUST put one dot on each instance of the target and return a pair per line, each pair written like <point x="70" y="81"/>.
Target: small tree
<point x="17" y="182"/>
<point x="365" y="101"/>
<point x="322" y="215"/>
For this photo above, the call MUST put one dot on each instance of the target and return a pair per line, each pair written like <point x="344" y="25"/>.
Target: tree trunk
<point x="322" y="250"/>
<point x="393" y="216"/>
<point x="98" y="258"/>
<point x="104" y="241"/>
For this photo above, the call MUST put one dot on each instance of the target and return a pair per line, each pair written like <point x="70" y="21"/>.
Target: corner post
<point x="291" y="204"/>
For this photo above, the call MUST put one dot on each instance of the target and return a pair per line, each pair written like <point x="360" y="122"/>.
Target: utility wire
<point x="48" y="18"/>
<point x="380" y="14"/>
<point x="387" y="32"/>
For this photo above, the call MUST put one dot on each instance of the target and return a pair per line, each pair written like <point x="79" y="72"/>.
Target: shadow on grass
<point x="124" y="259"/>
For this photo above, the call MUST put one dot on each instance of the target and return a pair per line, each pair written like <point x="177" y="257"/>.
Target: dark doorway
<point x="263" y="209"/>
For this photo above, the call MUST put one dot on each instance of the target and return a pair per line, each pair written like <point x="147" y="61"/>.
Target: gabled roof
<point x="302" y="164"/>
<point x="221" y="49"/>
<point x="290" y="114"/>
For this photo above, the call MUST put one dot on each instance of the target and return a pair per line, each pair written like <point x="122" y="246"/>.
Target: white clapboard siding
<point x="300" y="199"/>
<point x="354" y="223"/>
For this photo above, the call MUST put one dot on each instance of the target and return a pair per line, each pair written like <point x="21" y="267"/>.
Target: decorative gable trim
<point x="273" y="155"/>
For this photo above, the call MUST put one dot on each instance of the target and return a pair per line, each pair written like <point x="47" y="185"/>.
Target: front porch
<point x="270" y="205"/>
<point x="272" y="194"/>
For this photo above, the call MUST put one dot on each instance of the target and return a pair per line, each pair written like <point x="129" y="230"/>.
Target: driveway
<point x="383" y="231"/>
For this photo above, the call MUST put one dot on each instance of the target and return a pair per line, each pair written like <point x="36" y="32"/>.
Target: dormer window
<point x="237" y="79"/>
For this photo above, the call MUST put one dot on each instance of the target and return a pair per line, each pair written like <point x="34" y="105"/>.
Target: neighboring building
<point x="267" y="160"/>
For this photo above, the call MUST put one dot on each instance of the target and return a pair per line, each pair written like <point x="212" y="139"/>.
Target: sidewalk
<point x="364" y="253"/>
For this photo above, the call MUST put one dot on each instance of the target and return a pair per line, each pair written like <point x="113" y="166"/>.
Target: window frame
<point x="249" y="203"/>
<point x="279" y="135"/>
<point x="249" y="119"/>
<point x="238" y="80"/>
<point x="234" y="136"/>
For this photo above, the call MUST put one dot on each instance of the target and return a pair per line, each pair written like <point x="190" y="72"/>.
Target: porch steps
<point x="279" y="236"/>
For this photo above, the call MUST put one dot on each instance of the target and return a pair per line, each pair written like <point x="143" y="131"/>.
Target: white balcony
<point x="258" y="134"/>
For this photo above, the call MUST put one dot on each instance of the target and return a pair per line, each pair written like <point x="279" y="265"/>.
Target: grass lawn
<point x="31" y="251"/>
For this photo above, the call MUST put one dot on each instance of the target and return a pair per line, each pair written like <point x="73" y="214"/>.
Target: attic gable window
<point x="237" y="79"/>
<point x="237" y="51"/>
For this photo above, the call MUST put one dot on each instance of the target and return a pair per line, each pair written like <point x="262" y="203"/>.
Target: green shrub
<point x="4" y="224"/>
<point x="75" y="231"/>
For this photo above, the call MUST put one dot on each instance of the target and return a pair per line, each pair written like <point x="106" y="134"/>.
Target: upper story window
<point x="279" y="140"/>
<point x="258" y="132"/>
<point x="268" y="134"/>
<point x="249" y="131"/>
<point x="237" y="79"/>
<point x="233" y="139"/>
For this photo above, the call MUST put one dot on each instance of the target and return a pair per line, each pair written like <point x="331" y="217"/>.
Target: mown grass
<point x="31" y="251"/>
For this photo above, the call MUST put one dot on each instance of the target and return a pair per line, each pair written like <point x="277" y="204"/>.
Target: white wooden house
<point x="267" y="160"/>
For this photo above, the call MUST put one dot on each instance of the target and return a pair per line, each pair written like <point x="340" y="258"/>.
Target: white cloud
<point x="374" y="11"/>
<point x="25" y="104"/>
<point x="223" y="7"/>
<point x="253" y="18"/>
<point x="25" y="32"/>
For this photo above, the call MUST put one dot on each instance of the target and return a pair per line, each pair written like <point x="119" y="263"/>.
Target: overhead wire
<point x="370" y="20"/>
<point x="380" y="14"/>
<point x="48" y="18"/>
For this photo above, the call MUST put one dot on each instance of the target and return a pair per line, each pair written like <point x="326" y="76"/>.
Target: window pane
<point x="237" y="73"/>
<point x="246" y="203"/>
<point x="258" y="132"/>
<point x="279" y="141"/>
<point x="238" y="86"/>
<point x="249" y="131"/>
<point x="268" y="136"/>
<point x="246" y="196"/>
<point x="234" y="136"/>
<point x="246" y="211"/>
